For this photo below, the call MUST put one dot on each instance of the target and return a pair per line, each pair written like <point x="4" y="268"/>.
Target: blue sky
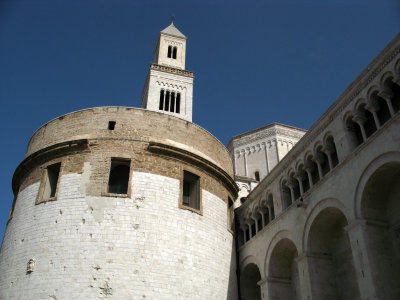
<point x="255" y="62"/>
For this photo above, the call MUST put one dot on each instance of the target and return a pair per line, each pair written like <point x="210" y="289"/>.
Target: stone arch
<point x="281" y="267"/>
<point x="353" y="130"/>
<point x="386" y="78"/>
<point x="321" y="205"/>
<point x="377" y="201"/>
<point x="250" y="275"/>
<point x="367" y="173"/>
<point x="361" y="101"/>
<point x="329" y="254"/>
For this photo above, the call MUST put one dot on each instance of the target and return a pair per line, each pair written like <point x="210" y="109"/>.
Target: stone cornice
<point x="45" y="154"/>
<point x="272" y="130"/>
<point x="196" y="160"/>
<point x="171" y="70"/>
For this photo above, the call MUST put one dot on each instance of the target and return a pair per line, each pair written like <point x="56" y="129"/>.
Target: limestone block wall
<point x="142" y="247"/>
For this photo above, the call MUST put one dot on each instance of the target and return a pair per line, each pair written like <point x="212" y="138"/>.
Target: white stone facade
<point x="325" y="223"/>
<point x="142" y="247"/>
<point x="259" y="151"/>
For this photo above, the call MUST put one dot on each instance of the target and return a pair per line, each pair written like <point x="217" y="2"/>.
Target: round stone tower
<point x="121" y="203"/>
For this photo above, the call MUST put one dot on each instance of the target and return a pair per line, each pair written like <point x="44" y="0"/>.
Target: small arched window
<point x="169" y="51"/>
<point x="175" y="50"/>
<point x="257" y="176"/>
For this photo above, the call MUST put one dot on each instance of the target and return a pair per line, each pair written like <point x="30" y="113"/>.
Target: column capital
<point x="359" y="118"/>
<point x="386" y="94"/>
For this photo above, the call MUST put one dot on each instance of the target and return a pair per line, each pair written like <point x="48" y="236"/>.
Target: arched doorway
<point x="283" y="277"/>
<point x="249" y="289"/>
<point x="332" y="272"/>
<point x="380" y="206"/>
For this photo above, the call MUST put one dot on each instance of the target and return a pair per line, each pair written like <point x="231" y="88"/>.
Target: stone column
<point x="243" y="151"/>
<point x="373" y="108"/>
<point x="269" y="213"/>
<point x="246" y="152"/>
<point x="387" y="95"/>
<point x="317" y="161"/>
<point x="289" y="184"/>
<point x="250" y="231"/>
<point x="299" y="179"/>
<point x="266" y="156"/>
<point x="304" y="277"/>
<point x="307" y="169"/>
<point x="236" y="155"/>
<point x="362" y="264"/>
<point x="256" y="223"/>
<point x="328" y="153"/>
<point x="263" y="284"/>
<point x="360" y="119"/>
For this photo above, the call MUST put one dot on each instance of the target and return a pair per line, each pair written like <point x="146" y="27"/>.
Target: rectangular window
<point x="111" y="125"/>
<point x="49" y="184"/>
<point x="178" y="103"/>
<point x="119" y="176"/>
<point x="191" y="191"/>
<point x="231" y="215"/>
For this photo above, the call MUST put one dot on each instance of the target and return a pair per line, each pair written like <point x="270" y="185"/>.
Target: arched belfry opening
<point x="283" y="275"/>
<point x="249" y="278"/>
<point x="330" y="258"/>
<point x="380" y="207"/>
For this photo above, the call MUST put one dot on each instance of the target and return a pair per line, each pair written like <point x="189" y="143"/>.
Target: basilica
<point x="142" y="203"/>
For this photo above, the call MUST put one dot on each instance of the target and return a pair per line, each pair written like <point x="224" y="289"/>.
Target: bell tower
<point x="169" y="87"/>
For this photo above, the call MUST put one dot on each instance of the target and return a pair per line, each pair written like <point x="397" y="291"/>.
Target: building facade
<point x="325" y="222"/>
<point x="131" y="206"/>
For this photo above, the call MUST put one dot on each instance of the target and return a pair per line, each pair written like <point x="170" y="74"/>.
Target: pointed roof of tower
<point x="172" y="30"/>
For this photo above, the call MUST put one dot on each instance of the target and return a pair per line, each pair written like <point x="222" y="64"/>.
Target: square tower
<point x="169" y="87"/>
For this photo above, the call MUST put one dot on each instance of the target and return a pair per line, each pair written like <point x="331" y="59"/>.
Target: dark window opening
<point x="191" y="190"/>
<point x="50" y="188"/>
<point x="305" y="182"/>
<point x="259" y="223"/>
<point x="111" y="125"/>
<point x="247" y="233"/>
<point x="231" y="215"/>
<point x="355" y="132"/>
<point x="178" y="103"/>
<point x="166" y="103"/>
<point x="286" y="196"/>
<point x="172" y="106"/>
<point x="383" y="112"/>
<point x="266" y="217"/>
<point x="257" y="176"/>
<point x="174" y="53"/>
<point x="324" y="163"/>
<point x="253" y="229"/>
<point x="119" y="176"/>
<point x="243" y="200"/>
<point x="396" y="98"/>
<point x="369" y="124"/>
<point x="161" y="106"/>
<point x="169" y="51"/>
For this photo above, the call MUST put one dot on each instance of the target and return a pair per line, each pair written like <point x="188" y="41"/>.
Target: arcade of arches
<point x="340" y="260"/>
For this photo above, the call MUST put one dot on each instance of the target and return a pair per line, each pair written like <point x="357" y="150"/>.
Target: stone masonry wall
<point x="143" y="247"/>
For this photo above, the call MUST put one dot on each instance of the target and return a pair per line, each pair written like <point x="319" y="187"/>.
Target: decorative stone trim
<point x="198" y="161"/>
<point x="171" y="70"/>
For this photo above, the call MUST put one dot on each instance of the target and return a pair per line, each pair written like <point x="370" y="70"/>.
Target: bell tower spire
<point x="169" y="87"/>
